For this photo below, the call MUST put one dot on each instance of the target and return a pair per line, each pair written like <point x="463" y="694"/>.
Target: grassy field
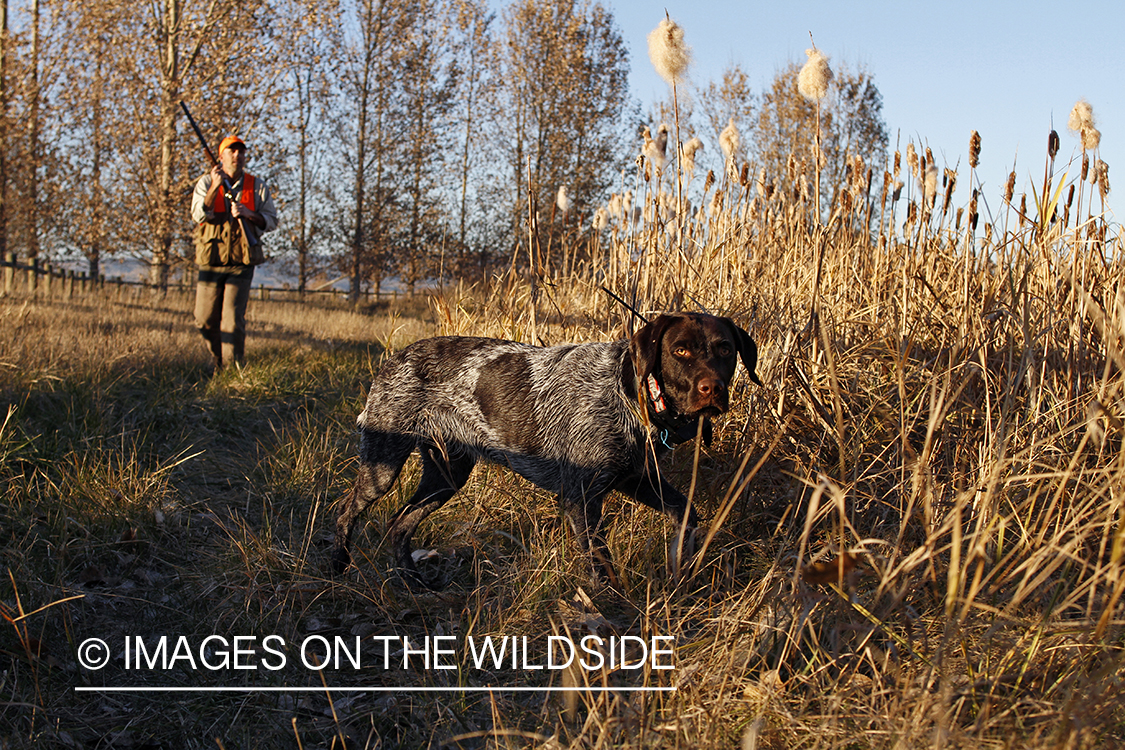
<point x="915" y="529"/>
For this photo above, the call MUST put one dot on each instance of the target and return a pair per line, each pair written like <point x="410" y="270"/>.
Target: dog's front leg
<point x="657" y="493"/>
<point x="585" y="518"/>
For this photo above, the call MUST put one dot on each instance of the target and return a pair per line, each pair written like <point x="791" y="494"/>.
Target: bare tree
<point x="429" y="75"/>
<point x="308" y="33"/>
<point x="475" y="100"/>
<point x="731" y="97"/>
<point x="564" y="72"/>
<point x="851" y="125"/>
<point x="155" y="55"/>
<point x="369" y="127"/>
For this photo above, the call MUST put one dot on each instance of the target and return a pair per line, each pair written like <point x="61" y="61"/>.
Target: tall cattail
<point x="912" y="160"/>
<point x="1103" y="178"/>
<point x="898" y="164"/>
<point x="666" y="48"/>
<point x="709" y="180"/>
<point x="813" y="80"/>
<point x="1052" y="143"/>
<point x="974" y="150"/>
<point x="1010" y="187"/>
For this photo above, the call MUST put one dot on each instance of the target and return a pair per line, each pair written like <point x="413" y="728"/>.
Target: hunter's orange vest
<point x="220" y="242"/>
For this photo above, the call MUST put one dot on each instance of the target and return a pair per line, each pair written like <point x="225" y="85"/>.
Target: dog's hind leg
<point x="443" y="473"/>
<point x="381" y="458"/>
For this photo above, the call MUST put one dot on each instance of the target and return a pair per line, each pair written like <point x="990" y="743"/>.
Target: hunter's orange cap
<point x="231" y="140"/>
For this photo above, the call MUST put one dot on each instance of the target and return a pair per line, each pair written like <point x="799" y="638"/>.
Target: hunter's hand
<point x="214" y="188"/>
<point x="240" y="211"/>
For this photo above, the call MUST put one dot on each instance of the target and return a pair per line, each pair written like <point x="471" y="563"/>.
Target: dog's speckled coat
<point x="568" y="418"/>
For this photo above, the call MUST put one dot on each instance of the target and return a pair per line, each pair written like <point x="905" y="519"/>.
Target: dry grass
<point x="921" y="527"/>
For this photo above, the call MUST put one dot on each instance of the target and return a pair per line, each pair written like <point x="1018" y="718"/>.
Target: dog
<point x="577" y="420"/>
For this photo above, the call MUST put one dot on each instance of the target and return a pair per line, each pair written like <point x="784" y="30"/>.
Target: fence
<point x="36" y="278"/>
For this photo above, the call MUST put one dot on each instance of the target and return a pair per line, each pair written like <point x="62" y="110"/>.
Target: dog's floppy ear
<point x="644" y="347"/>
<point x="747" y="350"/>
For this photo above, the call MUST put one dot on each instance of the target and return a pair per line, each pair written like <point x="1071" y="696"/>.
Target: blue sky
<point x="1005" y="69"/>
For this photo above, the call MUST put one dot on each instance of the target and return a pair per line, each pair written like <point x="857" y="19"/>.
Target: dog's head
<point x="692" y="359"/>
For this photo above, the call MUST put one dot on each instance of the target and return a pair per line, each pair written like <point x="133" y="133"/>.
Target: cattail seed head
<point x="912" y="159"/>
<point x="974" y="150"/>
<point x="601" y="219"/>
<point x="716" y="204"/>
<point x="690" y="149"/>
<point x="666" y="48"/>
<point x="1091" y="137"/>
<point x="655" y="150"/>
<point x="950" y="180"/>
<point x="1103" y="178"/>
<point x="1082" y="123"/>
<point x="614" y="206"/>
<point x="929" y="185"/>
<point x="562" y="200"/>
<point x="813" y="80"/>
<point x="898" y="164"/>
<point x="1010" y="188"/>
<point x="1081" y="117"/>
<point x="1053" y="143"/>
<point x="729" y="140"/>
<point x="709" y="181"/>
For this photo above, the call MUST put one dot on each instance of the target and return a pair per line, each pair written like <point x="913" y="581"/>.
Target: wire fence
<point x="36" y="278"/>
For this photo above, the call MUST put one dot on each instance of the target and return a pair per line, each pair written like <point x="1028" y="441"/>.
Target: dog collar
<point x="655" y="396"/>
<point x="670" y="431"/>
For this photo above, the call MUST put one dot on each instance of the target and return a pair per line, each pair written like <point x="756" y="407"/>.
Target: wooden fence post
<point x="9" y="272"/>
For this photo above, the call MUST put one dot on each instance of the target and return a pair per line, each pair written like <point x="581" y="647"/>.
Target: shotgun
<point x="228" y="189"/>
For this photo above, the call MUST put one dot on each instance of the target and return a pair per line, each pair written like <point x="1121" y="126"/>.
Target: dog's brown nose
<point x="711" y="389"/>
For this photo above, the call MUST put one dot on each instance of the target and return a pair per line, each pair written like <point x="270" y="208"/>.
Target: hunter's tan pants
<point x="221" y="296"/>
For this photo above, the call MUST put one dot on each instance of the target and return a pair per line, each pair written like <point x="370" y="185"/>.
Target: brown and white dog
<point x="578" y="420"/>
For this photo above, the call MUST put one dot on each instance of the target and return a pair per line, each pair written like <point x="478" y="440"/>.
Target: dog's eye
<point x="723" y="349"/>
<point x="682" y="351"/>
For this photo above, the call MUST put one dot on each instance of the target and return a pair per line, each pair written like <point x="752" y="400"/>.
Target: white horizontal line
<point x="376" y="689"/>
